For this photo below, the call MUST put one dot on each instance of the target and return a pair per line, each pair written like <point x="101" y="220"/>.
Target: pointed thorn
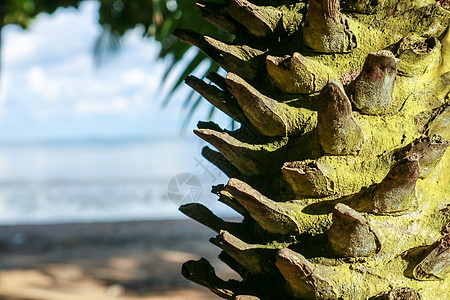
<point x="267" y="115"/>
<point x="209" y="125"/>
<point x="203" y="215"/>
<point x="233" y="58"/>
<point x="216" y="14"/>
<point x="372" y="93"/>
<point x="242" y="60"/>
<point x="192" y="38"/>
<point x="202" y="273"/>
<point x="217" y="80"/>
<point x="262" y="111"/>
<point x="228" y="199"/>
<point x="309" y="178"/>
<point x="216" y="97"/>
<point x="303" y="277"/>
<point x="236" y="152"/>
<point x="261" y="21"/>
<point x="430" y="150"/>
<point x="297" y="74"/>
<point x="326" y="30"/>
<point x="338" y="131"/>
<point x="232" y="263"/>
<point x="436" y="265"/>
<point x="351" y="235"/>
<point x="217" y="159"/>
<point x="396" y="192"/>
<point x="418" y="55"/>
<point x="268" y="213"/>
<point x="256" y="258"/>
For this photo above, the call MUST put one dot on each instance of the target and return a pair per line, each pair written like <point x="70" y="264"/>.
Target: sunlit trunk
<point x="340" y="168"/>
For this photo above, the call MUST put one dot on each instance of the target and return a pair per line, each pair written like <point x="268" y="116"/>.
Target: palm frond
<point x="108" y="42"/>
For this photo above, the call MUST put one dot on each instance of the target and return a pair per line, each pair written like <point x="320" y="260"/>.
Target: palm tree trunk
<point x="339" y="168"/>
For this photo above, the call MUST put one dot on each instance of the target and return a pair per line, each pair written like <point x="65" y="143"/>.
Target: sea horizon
<point x="101" y="179"/>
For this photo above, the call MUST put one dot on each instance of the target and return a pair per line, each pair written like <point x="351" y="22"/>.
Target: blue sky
<point x="51" y="88"/>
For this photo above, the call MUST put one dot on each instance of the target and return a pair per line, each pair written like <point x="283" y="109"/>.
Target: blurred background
<point x="97" y="150"/>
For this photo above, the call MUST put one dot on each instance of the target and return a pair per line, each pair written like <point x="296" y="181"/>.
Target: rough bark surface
<point x="339" y="169"/>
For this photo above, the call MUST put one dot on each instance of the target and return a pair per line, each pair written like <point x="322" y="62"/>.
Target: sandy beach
<point x="126" y="260"/>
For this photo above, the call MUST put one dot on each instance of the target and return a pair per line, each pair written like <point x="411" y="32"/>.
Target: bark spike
<point x="430" y="150"/>
<point x="217" y="98"/>
<point x="209" y="125"/>
<point x="260" y="21"/>
<point x="232" y="263"/>
<point x="309" y="178"/>
<point x="351" y="235"/>
<point x="267" y="115"/>
<point x="217" y="159"/>
<point x="254" y="257"/>
<point x="262" y="111"/>
<point x="228" y="199"/>
<point x="201" y="272"/>
<point x="326" y="30"/>
<point x="203" y="215"/>
<point x="233" y="58"/>
<point x="396" y="192"/>
<point x="268" y="213"/>
<point x="338" y="131"/>
<point x="297" y="74"/>
<point x="216" y="14"/>
<point x="436" y="264"/>
<point x="373" y="87"/>
<point x="418" y="55"/>
<point x="217" y="80"/>
<point x="195" y="39"/>
<point x="241" y="60"/>
<point x="235" y="151"/>
<point x="303" y="277"/>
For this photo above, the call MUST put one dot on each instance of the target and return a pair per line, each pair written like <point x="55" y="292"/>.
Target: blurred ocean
<point x="102" y="180"/>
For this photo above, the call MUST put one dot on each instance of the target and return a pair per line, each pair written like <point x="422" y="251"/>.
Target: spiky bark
<point x="340" y="167"/>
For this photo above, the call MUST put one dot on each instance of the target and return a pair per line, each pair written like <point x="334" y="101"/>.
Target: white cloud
<point x="117" y="105"/>
<point x="52" y="35"/>
<point x="134" y="77"/>
<point x="51" y="86"/>
<point x="20" y="45"/>
<point x="42" y="86"/>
